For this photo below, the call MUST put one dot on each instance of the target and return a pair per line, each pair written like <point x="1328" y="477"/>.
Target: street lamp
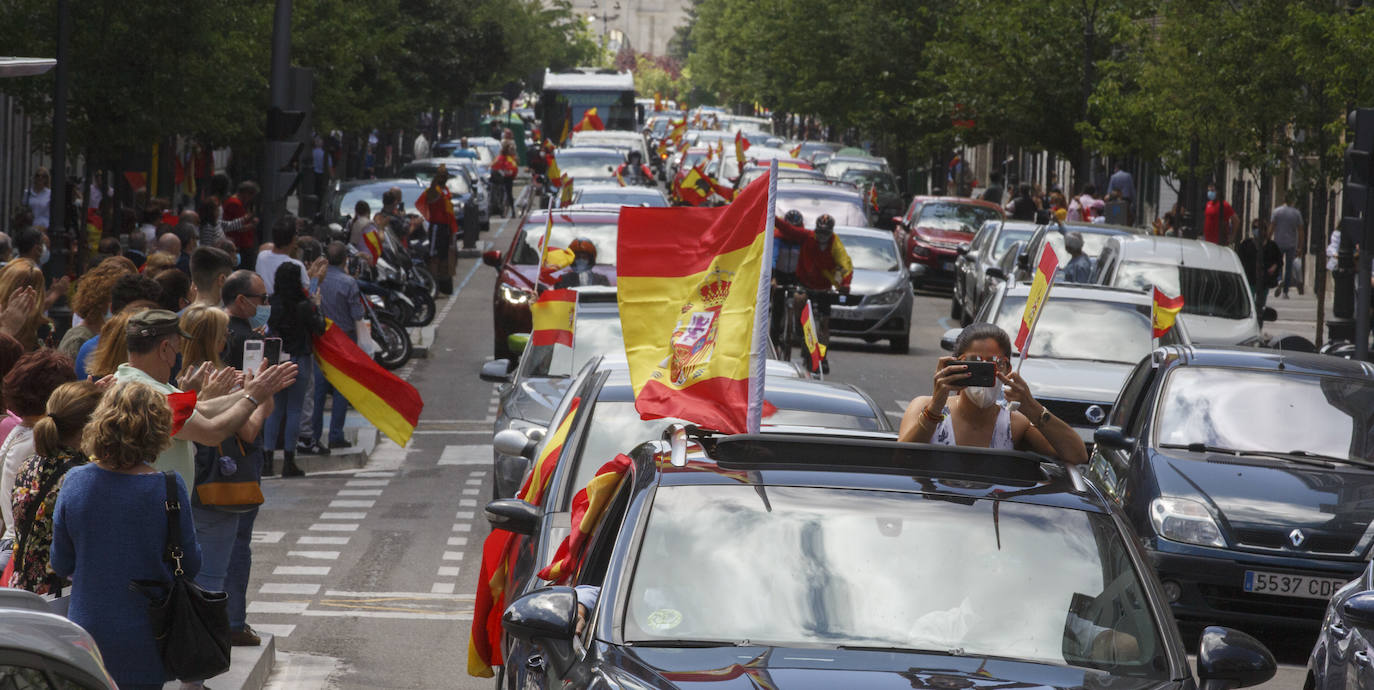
<point x="605" y="18"/>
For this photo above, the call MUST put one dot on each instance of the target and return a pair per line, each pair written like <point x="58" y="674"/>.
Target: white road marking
<point x="301" y="570"/>
<point x="375" y="474"/>
<point x="288" y="588"/>
<point x="360" y="492"/>
<point x="480" y="473"/>
<point x="267" y="537"/>
<point x="402" y="595"/>
<point x="457" y="541"/>
<point x="274" y="629"/>
<point x="450" y="432"/>
<point x="464" y="515"/>
<point x="323" y="541"/>
<point x="316" y="555"/>
<point x="466" y="455"/>
<point x="256" y="606"/>
<point x="453" y="555"/>
<point x="367" y="482"/>
<point x="343" y="516"/>
<point x="462" y="527"/>
<point x="467" y="503"/>
<point x="334" y="527"/>
<point x="441" y="588"/>
<point x="471" y="492"/>
<point x="352" y="504"/>
<point x="448" y="571"/>
<point x="473" y="482"/>
<point x="400" y="615"/>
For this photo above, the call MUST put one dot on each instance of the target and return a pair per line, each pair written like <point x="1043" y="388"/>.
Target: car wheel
<point x="900" y="345"/>
<point x="955" y="311"/>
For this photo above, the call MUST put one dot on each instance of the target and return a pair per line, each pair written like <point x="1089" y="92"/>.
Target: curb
<point x="249" y="667"/>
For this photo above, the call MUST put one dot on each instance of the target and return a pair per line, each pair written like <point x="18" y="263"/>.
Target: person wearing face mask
<point x="580" y="272"/>
<point x="1220" y="222"/>
<point x="975" y="418"/>
<point x="1262" y="259"/>
<point x="245" y="298"/>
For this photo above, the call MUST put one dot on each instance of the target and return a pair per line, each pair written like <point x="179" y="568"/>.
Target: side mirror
<point x="492" y="258"/>
<point x="995" y="273"/>
<point x="513" y="515"/>
<point x="1268" y="314"/>
<point x="1358" y="610"/>
<point x="1023" y="261"/>
<point x="517" y="342"/>
<point x="546" y="618"/>
<point x="947" y="340"/>
<point x="1112" y="437"/>
<point x="516" y="443"/>
<point x="1231" y="659"/>
<point x="962" y="248"/>
<point x="496" y="371"/>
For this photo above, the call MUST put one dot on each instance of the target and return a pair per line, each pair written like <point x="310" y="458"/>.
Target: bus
<point x="570" y="93"/>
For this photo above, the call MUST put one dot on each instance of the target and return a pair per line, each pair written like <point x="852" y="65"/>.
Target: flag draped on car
<point x="1035" y="299"/>
<point x="381" y="397"/>
<point x="552" y="318"/>
<point x="1164" y="312"/>
<point x="695" y="313"/>
<point x="588" y="506"/>
<point x="814" y="347"/>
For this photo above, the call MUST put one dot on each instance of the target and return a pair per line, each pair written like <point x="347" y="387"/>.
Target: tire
<point x="900" y="345"/>
<point x="426" y="280"/>
<point x="424" y="312"/>
<point x="955" y="310"/>
<point x="393" y="342"/>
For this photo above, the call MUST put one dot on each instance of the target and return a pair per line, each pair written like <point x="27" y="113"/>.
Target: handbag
<point x="190" y="624"/>
<point x="227" y="477"/>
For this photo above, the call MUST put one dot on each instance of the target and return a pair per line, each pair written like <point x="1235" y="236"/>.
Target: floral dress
<point x="35" y="494"/>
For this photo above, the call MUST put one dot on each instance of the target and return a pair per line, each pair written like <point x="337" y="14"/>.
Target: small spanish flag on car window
<point x="552" y="318"/>
<point x="813" y="344"/>
<point x="1041" y="282"/>
<point x="588" y="507"/>
<point x="1164" y="312"/>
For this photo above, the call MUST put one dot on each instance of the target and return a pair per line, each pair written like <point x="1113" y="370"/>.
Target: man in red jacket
<point x="822" y="266"/>
<point x="236" y="207"/>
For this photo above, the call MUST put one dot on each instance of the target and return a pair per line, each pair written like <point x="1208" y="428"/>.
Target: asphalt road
<point x="367" y="577"/>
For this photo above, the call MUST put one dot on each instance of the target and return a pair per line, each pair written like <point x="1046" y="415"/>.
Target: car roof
<point x="1025" y="225"/>
<point x="587" y="150"/>
<point x="811" y="189"/>
<point x="1264" y="358"/>
<point x="28" y="625"/>
<point x="1178" y="251"/>
<point x="1085" y="291"/>
<point x="401" y="182"/>
<point x="863" y="232"/>
<point x="604" y="185"/>
<point x="1095" y="229"/>
<point x="572" y="216"/>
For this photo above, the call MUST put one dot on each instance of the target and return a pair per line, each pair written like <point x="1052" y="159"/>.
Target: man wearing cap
<point x="154" y="338"/>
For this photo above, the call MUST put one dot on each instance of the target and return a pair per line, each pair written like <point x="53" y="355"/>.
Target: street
<point x="367" y="577"/>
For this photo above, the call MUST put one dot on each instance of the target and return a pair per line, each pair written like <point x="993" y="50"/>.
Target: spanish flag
<point x="658" y="102"/>
<point x="679" y="130"/>
<point x="551" y="259"/>
<point x="873" y="196"/>
<point x="590" y="120"/>
<point x="567" y="122"/>
<point x="695" y="187"/>
<point x="552" y="318"/>
<point x="565" y="196"/>
<point x="588" y="506"/>
<point x="726" y="193"/>
<point x="741" y="145"/>
<point x="537" y="484"/>
<point x="373" y="239"/>
<point x="389" y="403"/>
<point x="1035" y="300"/>
<point x="1164" y="311"/>
<point x="695" y="313"/>
<point x="795" y="152"/>
<point x="813" y="343"/>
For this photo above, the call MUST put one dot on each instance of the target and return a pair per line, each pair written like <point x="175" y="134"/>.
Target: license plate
<point x="947" y="265"/>
<point x="1304" y="586"/>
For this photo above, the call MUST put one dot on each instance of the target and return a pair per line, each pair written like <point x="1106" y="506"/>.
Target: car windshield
<point x="824" y="567"/>
<point x="1205" y="292"/>
<point x="957" y="217"/>
<point x="866" y="177"/>
<point x="835" y="169"/>
<point x="1083" y="329"/>
<point x="1267" y="411"/>
<point x="595" y="332"/>
<point x="575" y="164"/>
<point x="1006" y="239"/>
<point x="845" y="211"/>
<point x="784" y="175"/>
<point x="372" y="194"/>
<point x="871" y="253"/>
<point x="624" y="197"/>
<point x="457" y="184"/>
<point x="602" y="236"/>
<point x="1093" y="242"/>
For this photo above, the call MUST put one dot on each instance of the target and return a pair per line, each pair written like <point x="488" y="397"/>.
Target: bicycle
<point x="786" y="334"/>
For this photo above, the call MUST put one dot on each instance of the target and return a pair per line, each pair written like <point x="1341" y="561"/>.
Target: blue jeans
<point x="337" y="415"/>
<point x="1290" y="269"/>
<point x="215" y="530"/>
<point x="240" y="566"/>
<point x="287" y="407"/>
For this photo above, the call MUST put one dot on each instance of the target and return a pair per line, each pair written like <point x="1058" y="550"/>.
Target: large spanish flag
<point x="552" y="318"/>
<point x="588" y="507"/>
<point x="695" y="311"/>
<point x="1035" y="299"/>
<point x="1164" y="312"/>
<point x="385" y="400"/>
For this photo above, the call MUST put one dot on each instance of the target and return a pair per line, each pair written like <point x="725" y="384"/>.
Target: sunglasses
<point x="1001" y="362"/>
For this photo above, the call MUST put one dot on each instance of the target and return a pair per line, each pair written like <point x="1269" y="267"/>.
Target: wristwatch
<point x="1043" y="419"/>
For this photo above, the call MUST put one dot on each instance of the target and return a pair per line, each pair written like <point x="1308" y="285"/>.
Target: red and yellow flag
<point x="725" y="192"/>
<point x="552" y="318"/>
<point x="565" y="195"/>
<point x="679" y="130"/>
<point x="689" y="308"/>
<point x="537" y="483"/>
<point x="567" y="123"/>
<point x="873" y="196"/>
<point x="1035" y="299"/>
<point x="588" y="506"/>
<point x="553" y="173"/>
<point x="695" y="187"/>
<point x="741" y="145"/>
<point x="381" y="397"/>
<point x="658" y="102"/>
<point x="438" y="212"/>
<point x="1164" y="312"/>
<point x="813" y="343"/>
<point x="373" y="240"/>
<point x="590" y="120"/>
<point x="795" y="152"/>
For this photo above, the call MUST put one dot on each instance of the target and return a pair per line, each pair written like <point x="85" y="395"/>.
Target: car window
<point x="1205" y="292"/>
<point x="602" y="235"/>
<point x="575" y="164"/>
<point x="1083" y="329"/>
<point x="598" y="558"/>
<point x="1007" y="238"/>
<point x="622" y="197"/>
<point x="984" y="234"/>
<point x="955" y="216"/>
<point x="594" y="333"/>
<point x="872" y="253"/>
<point x="1093" y="244"/>
<point x="845" y="210"/>
<point x="1268" y="411"/>
<point x="890" y="569"/>
<point x="1126" y="412"/>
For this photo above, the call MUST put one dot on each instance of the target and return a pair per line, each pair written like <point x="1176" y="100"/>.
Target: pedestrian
<point x="1079" y="269"/>
<point x="1123" y="183"/>
<point x="993" y="193"/>
<point x="421" y="147"/>
<point x="7" y="249"/>
<point x="19" y="278"/>
<point x="57" y="450"/>
<point x="129" y="289"/>
<point x="1220" y="222"/>
<point x="1290" y="235"/>
<point x="138" y="250"/>
<point x="322" y="164"/>
<point x="236" y="208"/>
<point x="92" y="302"/>
<point x="975" y="418"/>
<point x="1023" y="205"/>
<point x="1263" y="260"/>
<point x="341" y="302"/>
<point x="296" y="321"/>
<point x="26" y="389"/>
<point x="279" y="252"/>
<point x="176" y="290"/>
<point x="1059" y="206"/>
<point x="210" y="267"/>
<point x="207" y="332"/>
<point x="38" y="197"/>
<point x="360" y="226"/>
<point x="442" y="227"/>
<point x="109" y="529"/>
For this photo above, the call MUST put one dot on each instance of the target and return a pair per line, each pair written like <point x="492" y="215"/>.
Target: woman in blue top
<point x="110" y="527"/>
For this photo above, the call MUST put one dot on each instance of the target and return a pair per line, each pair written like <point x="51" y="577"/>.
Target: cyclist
<point x="785" y="253"/>
<point x="580" y="272"/>
<point x="503" y="171"/>
<point x="823" y="265"/>
<point x="634" y="172"/>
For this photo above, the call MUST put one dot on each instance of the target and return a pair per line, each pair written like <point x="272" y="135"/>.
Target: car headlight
<point x="890" y="297"/>
<point x="919" y="249"/>
<point x="1184" y="520"/>
<point x="514" y="295"/>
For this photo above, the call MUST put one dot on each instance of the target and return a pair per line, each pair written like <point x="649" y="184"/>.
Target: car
<point x="1217" y="304"/>
<point x="463" y="181"/>
<point x="879" y="302"/>
<point x="812" y="560"/>
<point x="41" y="649"/>
<point x="1095" y="239"/>
<point x="1245" y="474"/>
<point x="754" y="172"/>
<point x="840" y="163"/>
<point x="730" y="166"/>
<point x="625" y="142"/>
<point x="616" y="195"/>
<point x="845" y="205"/>
<point x="371" y="191"/>
<point x="518" y="266"/>
<point x="589" y="163"/>
<point x="980" y="259"/>
<point x="932" y="229"/>
<point x="1086" y="342"/>
<point x="1341" y="658"/>
<point x="890" y="203"/>
<point x="810" y="148"/>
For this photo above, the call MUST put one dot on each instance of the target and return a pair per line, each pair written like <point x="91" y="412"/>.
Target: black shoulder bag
<point x="190" y="624"/>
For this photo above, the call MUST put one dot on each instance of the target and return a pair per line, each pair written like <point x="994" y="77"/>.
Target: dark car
<point x="810" y="561"/>
<point x="518" y="266"/>
<point x="1247" y="474"/>
<point x="1344" y="654"/>
<point x="890" y="203"/>
<point x="979" y="259"/>
<point x="932" y="230"/>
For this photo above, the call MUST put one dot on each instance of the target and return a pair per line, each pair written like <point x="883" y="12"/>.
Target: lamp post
<point x="606" y="18"/>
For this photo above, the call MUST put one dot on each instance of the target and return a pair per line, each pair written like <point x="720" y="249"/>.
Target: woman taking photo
<point x="110" y="527"/>
<point x="974" y="418"/>
<point x="295" y="320"/>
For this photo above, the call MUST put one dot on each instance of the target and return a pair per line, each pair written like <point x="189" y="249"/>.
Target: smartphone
<point x="980" y="374"/>
<point x="252" y="356"/>
<point x="271" y="351"/>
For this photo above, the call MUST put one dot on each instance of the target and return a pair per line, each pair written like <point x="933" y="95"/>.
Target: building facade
<point x="646" y="25"/>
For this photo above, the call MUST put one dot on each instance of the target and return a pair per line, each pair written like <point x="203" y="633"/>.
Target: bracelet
<point x="251" y="399"/>
<point x="934" y="418"/>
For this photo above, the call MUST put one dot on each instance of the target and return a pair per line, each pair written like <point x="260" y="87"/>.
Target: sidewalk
<point x="1298" y="313"/>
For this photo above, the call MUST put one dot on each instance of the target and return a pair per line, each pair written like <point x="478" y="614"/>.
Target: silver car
<point x="40" y="649"/>
<point x="879" y="302"/>
<point x="976" y="258"/>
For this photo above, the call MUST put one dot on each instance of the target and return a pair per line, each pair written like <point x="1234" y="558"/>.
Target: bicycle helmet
<point x="825" y="228"/>
<point x="794" y="217"/>
<point x="583" y="245"/>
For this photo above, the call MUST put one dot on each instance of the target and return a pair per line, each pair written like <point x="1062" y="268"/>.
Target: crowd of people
<point x="162" y="370"/>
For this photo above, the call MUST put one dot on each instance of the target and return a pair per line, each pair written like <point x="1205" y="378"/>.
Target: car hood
<point x="758" y="668"/>
<point x="1207" y="331"/>
<point x="535" y="398"/>
<point x="1262" y="503"/>
<point x="950" y="237"/>
<point x="866" y="282"/>
<point x="1075" y="379"/>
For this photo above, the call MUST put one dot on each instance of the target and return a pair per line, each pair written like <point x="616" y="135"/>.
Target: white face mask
<point x="982" y="396"/>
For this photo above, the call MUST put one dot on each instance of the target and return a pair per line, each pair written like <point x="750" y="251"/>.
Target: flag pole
<point x="763" y="303"/>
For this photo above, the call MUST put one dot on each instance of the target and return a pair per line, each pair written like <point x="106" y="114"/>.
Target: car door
<point x="1110" y="467"/>
<point x="966" y="265"/>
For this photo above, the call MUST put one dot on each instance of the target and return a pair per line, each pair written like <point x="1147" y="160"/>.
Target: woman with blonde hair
<point x="92" y="302"/>
<point x="15" y="277"/>
<point x="57" y="450"/>
<point x="209" y="330"/>
<point x="158" y="262"/>
<point x="110" y="528"/>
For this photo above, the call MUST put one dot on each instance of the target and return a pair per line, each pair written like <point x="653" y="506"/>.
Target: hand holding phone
<point x="271" y="352"/>
<point x="252" y="357"/>
<point x="983" y="374"/>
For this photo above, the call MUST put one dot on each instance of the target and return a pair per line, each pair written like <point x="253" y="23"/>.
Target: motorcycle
<point x="385" y="312"/>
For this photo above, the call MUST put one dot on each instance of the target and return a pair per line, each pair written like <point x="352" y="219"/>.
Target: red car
<point x="519" y="265"/>
<point x="933" y="229"/>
